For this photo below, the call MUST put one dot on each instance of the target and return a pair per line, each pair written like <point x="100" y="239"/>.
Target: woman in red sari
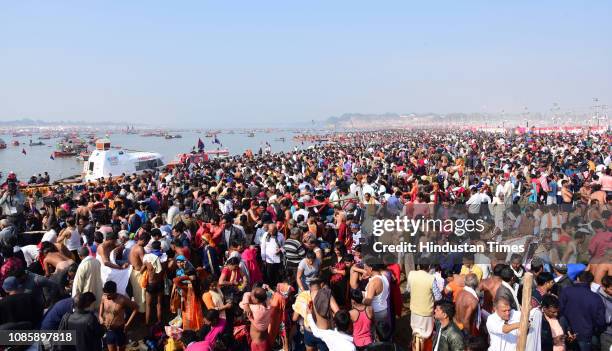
<point x="249" y="256"/>
<point x="393" y="276"/>
<point x="338" y="280"/>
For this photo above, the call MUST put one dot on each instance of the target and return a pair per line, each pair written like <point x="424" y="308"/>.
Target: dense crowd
<point x="274" y="250"/>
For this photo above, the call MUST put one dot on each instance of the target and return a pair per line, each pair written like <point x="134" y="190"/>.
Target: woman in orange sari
<point x="279" y="318"/>
<point x="190" y="307"/>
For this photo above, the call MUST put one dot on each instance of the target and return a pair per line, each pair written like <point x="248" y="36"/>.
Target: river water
<point x="38" y="158"/>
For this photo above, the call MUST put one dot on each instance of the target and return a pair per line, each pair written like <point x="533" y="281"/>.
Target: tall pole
<point x="596" y="111"/>
<point x="525" y="308"/>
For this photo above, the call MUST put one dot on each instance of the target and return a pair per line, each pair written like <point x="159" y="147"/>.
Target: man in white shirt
<point x="356" y="235"/>
<point x="173" y="211"/>
<point x="30" y="253"/>
<point x="503" y="326"/>
<point x="367" y="189"/>
<point x="476" y="200"/>
<point x="338" y="339"/>
<point x="507" y="188"/>
<point x="226" y="206"/>
<point x="271" y="245"/>
<point x="50" y="236"/>
<point x="301" y="211"/>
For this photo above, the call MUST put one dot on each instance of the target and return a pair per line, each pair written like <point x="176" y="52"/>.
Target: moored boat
<point x="175" y="136"/>
<point x="105" y="161"/>
<point x="197" y="157"/>
<point x="60" y="153"/>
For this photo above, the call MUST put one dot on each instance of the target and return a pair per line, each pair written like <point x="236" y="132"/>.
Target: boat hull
<point x="63" y="154"/>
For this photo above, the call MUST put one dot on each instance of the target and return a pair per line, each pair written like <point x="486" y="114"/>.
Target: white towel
<point x="120" y="276"/>
<point x="154" y="260"/>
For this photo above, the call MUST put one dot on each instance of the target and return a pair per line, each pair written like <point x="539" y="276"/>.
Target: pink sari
<point x="249" y="256"/>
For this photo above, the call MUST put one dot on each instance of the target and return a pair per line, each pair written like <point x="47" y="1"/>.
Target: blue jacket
<point x="584" y="310"/>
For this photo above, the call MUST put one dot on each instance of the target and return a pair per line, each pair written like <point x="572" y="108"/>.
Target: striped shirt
<point x="294" y="252"/>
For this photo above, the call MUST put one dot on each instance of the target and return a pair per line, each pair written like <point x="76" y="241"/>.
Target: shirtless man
<point x="601" y="267"/>
<point x="104" y="251"/>
<point x="489" y="287"/>
<point x="312" y="342"/>
<point x="83" y="211"/>
<point x="154" y="290"/>
<point x="323" y="317"/>
<point x="466" y="305"/>
<point x="135" y="258"/>
<point x="257" y="310"/>
<point x="112" y="316"/>
<point x="54" y="260"/>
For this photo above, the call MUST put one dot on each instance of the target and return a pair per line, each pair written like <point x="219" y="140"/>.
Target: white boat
<point x="105" y="161"/>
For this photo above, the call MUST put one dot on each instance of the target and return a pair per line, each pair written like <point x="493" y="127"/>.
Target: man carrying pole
<point x="507" y="327"/>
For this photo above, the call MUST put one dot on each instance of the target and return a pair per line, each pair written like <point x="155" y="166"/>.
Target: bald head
<point x="471" y="280"/>
<point x="272" y="228"/>
<point x="260" y="295"/>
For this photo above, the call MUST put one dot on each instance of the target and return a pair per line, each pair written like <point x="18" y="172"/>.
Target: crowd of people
<point x="274" y="251"/>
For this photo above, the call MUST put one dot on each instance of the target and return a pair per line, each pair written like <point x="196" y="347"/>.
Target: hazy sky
<point x="236" y="62"/>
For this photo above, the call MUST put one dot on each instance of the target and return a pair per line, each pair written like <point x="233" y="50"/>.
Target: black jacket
<point x="451" y="338"/>
<point x="89" y="331"/>
<point x="12" y="309"/>
<point x="560" y="285"/>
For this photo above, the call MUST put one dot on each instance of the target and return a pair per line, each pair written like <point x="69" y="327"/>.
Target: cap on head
<point x="83" y="251"/>
<point x="10" y="284"/>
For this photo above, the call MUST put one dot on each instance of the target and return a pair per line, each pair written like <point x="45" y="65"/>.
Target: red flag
<point x="24" y="152"/>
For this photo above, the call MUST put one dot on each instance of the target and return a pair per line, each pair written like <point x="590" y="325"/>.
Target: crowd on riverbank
<point x="273" y="251"/>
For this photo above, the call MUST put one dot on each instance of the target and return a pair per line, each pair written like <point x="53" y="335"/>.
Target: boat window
<point x="91" y="166"/>
<point x="149" y="164"/>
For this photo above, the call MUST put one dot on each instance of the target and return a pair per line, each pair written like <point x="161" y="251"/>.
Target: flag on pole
<point x="23" y="152"/>
<point x="200" y="144"/>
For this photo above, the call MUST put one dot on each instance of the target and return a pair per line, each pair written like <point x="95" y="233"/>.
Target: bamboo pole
<point x="525" y="308"/>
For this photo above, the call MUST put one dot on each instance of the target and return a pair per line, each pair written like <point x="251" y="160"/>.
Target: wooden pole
<point x="525" y="308"/>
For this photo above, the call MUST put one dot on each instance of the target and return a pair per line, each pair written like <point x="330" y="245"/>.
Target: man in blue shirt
<point x="394" y="205"/>
<point x="584" y="310"/>
<point x="53" y="317"/>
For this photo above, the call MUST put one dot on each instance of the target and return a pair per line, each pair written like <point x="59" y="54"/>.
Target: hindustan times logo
<point x="413" y="226"/>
